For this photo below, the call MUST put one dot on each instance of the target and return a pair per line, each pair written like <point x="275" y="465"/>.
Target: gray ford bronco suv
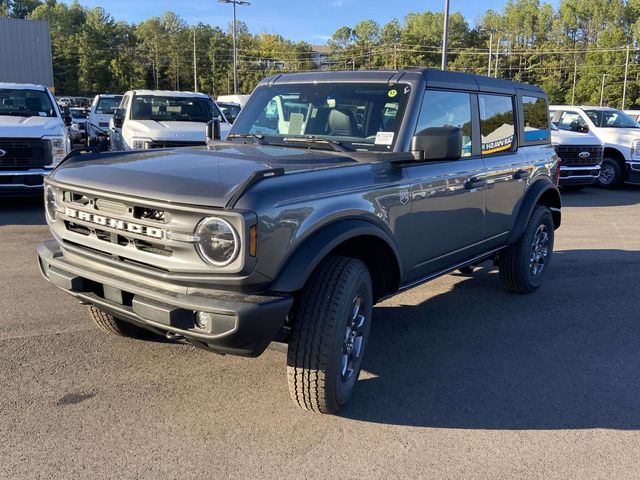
<point x="333" y="191"/>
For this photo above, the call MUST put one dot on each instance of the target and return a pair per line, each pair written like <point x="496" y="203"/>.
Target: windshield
<point x="230" y="110"/>
<point x="174" y="109"/>
<point x="355" y="116"/>
<point x="108" y="105"/>
<point x="611" y="119"/>
<point x="25" y="103"/>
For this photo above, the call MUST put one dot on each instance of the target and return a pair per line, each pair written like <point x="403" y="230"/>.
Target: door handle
<point x="520" y="174"/>
<point x="475" y="182"/>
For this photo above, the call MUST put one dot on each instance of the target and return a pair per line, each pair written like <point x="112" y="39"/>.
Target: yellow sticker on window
<point x="392" y="93"/>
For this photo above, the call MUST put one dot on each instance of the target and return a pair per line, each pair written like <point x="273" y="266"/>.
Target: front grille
<point x="174" y="144"/>
<point x="23" y="154"/>
<point x="570" y="155"/>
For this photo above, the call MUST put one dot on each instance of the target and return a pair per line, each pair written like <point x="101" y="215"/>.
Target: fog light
<point x="204" y="320"/>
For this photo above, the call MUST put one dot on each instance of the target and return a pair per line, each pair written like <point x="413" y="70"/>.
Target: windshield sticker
<point x="42" y="114"/>
<point x="384" y="138"/>
<point x="392" y="93"/>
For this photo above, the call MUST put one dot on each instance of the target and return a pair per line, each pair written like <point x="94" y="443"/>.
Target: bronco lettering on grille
<point x="115" y="223"/>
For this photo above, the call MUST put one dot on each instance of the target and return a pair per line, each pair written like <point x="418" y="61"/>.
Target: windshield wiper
<point x="311" y="140"/>
<point x="256" y="137"/>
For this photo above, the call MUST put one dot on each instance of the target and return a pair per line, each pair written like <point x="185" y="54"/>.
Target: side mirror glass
<point x="439" y="143"/>
<point x="118" y="118"/>
<point x="212" y="130"/>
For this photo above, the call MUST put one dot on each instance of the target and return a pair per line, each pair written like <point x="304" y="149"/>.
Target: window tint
<point x="447" y="109"/>
<point x="536" y="120"/>
<point x="496" y="123"/>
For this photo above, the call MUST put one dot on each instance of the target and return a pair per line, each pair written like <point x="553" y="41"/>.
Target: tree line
<point x="571" y="51"/>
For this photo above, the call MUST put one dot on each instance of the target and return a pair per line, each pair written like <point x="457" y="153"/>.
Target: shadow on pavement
<point x="565" y="357"/>
<point x="600" y="197"/>
<point x="22" y="210"/>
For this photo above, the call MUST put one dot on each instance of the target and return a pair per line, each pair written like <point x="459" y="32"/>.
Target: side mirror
<point x="212" y="130"/>
<point x="118" y="118"/>
<point x="438" y="143"/>
<point x="66" y="116"/>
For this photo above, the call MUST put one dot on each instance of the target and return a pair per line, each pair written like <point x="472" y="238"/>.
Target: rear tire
<point x="113" y="325"/>
<point x="611" y="174"/>
<point x="523" y="264"/>
<point x="331" y="327"/>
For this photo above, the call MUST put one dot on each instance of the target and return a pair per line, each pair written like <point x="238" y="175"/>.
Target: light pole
<point x="445" y="35"/>
<point x="235" y="50"/>
<point x="604" y="75"/>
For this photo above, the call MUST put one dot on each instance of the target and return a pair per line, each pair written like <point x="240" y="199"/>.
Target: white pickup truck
<point x="619" y="133"/>
<point x="580" y="157"/>
<point x="34" y="136"/>
<point x="163" y="119"/>
<point x="102" y="109"/>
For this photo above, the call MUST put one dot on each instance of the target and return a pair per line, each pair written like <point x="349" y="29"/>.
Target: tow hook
<point x="173" y="336"/>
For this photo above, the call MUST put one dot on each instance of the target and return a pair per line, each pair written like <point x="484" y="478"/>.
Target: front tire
<point x="524" y="264"/>
<point x="113" y="325"/>
<point x="331" y="327"/>
<point x="611" y="174"/>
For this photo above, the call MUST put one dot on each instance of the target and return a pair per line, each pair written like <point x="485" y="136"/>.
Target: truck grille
<point x="23" y="154"/>
<point x="174" y="144"/>
<point x="127" y="230"/>
<point x="570" y="155"/>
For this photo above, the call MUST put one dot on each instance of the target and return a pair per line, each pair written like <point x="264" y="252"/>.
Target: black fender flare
<point x="532" y="198"/>
<point x="299" y="266"/>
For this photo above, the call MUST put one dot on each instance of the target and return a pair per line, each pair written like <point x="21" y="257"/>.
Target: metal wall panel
<point x="25" y="52"/>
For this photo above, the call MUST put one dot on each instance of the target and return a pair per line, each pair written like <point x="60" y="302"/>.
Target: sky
<point x="310" y="20"/>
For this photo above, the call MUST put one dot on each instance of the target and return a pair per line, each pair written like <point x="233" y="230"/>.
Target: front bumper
<point x="633" y="171"/>
<point x="580" y="175"/>
<point x="242" y="324"/>
<point x="13" y="180"/>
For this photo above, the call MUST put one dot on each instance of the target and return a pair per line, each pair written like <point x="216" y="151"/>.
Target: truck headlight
<point x="140" y="143"/>
<point x="59" y="149"/>
<point x="635" y="150"/>
<point x="51" y="203"/>
<point x="218" y="243"/>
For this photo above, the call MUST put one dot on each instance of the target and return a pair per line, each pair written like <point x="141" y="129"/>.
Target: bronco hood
<point x="205" y="176"/>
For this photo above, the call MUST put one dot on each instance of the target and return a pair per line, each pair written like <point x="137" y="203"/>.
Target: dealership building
<point x="25" y="52"/>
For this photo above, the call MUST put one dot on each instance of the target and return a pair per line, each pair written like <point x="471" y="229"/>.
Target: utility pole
<point x="195" y="66"/>
<point x="626" y="73"/>
<point x="490" y="54"/>
<point x="395" y="56"/>
<point x="575" y="76"/>
<point x="235" y="50"/>
<point x="445" y="35"/>
<point x="604" y="75"/>
<point x="497" y="56"/>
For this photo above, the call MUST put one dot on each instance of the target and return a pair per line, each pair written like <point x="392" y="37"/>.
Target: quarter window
<point x="536" y="120"/>
<point x="447" y="109"/>
<point x="496" y="123"/>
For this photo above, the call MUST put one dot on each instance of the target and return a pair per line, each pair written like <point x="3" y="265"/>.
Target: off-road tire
<point x="618" y="173"/>
<point x="321" y="318"/>
<point x="515" y="261"/>
<point x="110" y="324"/>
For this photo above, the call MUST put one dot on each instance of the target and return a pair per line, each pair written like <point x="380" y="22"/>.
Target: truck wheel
<point x="331" y="329"/>
<point x="611" y="175"/>
<point x="110" y="324"/>
<point x="523" y="264"/>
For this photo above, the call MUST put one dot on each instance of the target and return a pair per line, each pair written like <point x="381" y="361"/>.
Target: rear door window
<point x="496" y="123"/>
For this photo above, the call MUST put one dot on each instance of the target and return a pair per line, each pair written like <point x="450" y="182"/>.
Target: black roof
<point x="434" y="78"/>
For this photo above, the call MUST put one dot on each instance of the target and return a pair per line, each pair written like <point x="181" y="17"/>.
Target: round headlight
<point x="50" y="203"/>
<point x="218" y="242"/>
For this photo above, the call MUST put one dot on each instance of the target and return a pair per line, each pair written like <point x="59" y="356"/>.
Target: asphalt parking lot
<point x="461" y="380"/>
